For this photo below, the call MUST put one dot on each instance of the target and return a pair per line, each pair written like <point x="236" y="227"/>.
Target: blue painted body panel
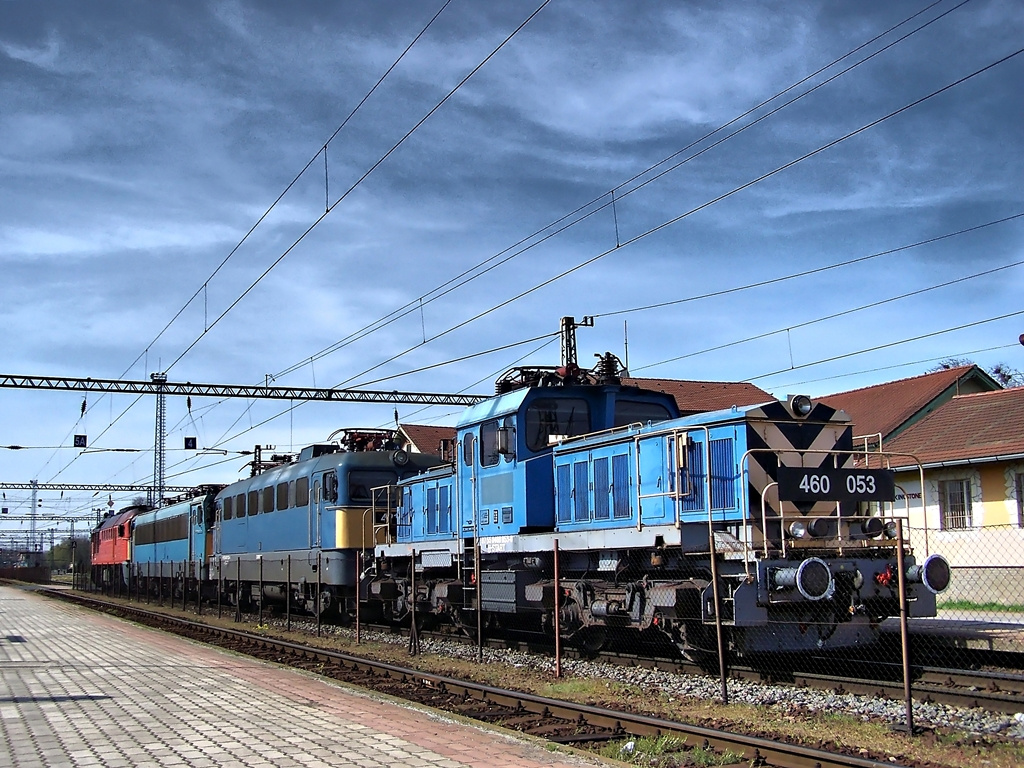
<point x="493" y="494"/>
<point x="175" y="533"/>
<point x="306" y="523"/>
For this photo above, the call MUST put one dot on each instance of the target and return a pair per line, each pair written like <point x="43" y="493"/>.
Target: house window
<point x="954" y="504"/>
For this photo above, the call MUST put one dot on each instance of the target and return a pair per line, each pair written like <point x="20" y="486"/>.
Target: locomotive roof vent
<point x="312" y="451"/>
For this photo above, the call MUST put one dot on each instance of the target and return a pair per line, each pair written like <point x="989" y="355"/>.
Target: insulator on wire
<point x="188" y="403"/>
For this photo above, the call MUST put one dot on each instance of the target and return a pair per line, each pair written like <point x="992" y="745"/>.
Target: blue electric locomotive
<point x="291" y="533"/>
<point x="754" y="520"/>
<point x="171" y="545"/>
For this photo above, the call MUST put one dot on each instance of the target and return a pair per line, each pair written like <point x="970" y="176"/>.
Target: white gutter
<point x="962" y="462"/>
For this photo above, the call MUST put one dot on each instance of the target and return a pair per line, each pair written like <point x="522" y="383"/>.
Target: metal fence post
<point x="479" y="601"/>
<point x="414" y="637"/>
<point x="558" y="618"/>
<point x="319" y="597"/>
<point x="259" y="619"/>
<point x="904" y="631"/>
<point x="238" y="589"/>
<point x="718" y="614"/>
<point x="359" y="556"/>
<point x="288" y="596"/>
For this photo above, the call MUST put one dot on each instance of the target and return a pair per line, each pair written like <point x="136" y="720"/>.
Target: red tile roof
<point x="425" y="438"/>
<point x="986" y="425"/>
<point x="702" y="396"/>
<point x="884" y="408"/>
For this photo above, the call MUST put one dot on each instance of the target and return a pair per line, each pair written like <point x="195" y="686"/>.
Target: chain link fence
<point x="721" y="614"/>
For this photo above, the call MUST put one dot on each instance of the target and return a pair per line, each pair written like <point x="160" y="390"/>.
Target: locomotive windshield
<point x="551" y="419"/>
<point x="636" y="411"/>
<point x="360" y="483"/>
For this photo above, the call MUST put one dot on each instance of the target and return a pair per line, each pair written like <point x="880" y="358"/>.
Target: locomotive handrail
<point x="834" y="452"/>
<point x="924" y="497"/>
<point x="598" y="433"/>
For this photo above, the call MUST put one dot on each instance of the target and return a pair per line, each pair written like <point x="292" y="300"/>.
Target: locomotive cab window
<point x="331" y="487"/>
<point x="282" y="495"/>
<point x="550" y="419"/>
<point x="635" y="411"/>
<point x="508" y="450"/>
<point x="364" y="486"/>
<point x="227" y="509"/>
<point x="467" y="449"/>
<point x="267" y="500"/>
<point x="489" y="443"/>
<point x="302" y="492"/>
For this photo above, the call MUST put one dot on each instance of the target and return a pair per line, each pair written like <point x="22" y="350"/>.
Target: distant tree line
<point x="1001" y="372"/>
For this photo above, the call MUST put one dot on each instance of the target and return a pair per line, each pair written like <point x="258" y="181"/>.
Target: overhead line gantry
<point x="156" y="387"/>
<point x="159" y="385"/>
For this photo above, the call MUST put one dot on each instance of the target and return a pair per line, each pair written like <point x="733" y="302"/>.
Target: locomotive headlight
<point x="934" y="573"/>
<point x="801" y="405"/>
<point x="873" y="527"/>
<point x="890" y="530"/>
<point x="797" y="529"/>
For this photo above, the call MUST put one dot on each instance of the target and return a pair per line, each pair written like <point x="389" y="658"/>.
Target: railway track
<point x="991" y="691"/>
<point x="557" y="721"/>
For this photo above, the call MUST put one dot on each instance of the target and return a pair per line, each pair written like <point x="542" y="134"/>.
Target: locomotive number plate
<point x="826" y="484"/>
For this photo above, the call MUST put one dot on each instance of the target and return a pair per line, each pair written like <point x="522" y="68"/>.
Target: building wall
<point x="988" y="557"/>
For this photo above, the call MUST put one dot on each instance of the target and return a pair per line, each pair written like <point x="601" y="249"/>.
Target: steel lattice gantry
<point x="68" y="383"/>
<point x="105" y="488"/>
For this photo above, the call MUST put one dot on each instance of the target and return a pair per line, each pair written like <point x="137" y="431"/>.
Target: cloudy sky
<point x="141" y="142"/>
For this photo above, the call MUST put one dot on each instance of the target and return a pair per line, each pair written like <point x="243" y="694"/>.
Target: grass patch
<point x="665" y="752"/>
<point x="967" y="605"/>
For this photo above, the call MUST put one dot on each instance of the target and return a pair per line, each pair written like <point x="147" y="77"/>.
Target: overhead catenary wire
<point x="359" y="181"/>
<point x="323" y="149"/>
<point x="859" y="372"/>
<point x="682" y="216"/>
<point x="209" y="326"/>
<point x="203" y="288"/>
<point x="889" y="345"/>
<point x="833" y="315"/>
<point x="511" y="252"/>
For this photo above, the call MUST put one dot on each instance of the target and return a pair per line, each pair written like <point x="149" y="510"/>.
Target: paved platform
<point x="84" y="689"/>
<point x="974" y="630"/>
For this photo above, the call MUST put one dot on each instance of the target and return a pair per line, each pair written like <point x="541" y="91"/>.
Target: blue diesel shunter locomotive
<point x="756" y="520"/>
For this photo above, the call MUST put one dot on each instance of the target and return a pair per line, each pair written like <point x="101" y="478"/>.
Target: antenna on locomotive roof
<point x="568" y="331"/>
<point x="625" y="343"/>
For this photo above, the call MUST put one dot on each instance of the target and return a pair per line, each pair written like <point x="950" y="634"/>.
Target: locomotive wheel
<point x="591" y="640"/>
<point x="465" y="624"/>
<point x="327" y="605"/>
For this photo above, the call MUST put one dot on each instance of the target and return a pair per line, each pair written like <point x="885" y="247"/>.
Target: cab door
<point x="315" y="502"/>
<point x="197" y="537"/>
